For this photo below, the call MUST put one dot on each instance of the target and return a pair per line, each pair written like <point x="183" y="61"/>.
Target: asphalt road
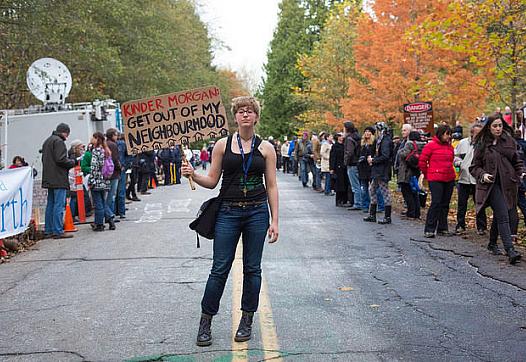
<point x="335" y="288"/>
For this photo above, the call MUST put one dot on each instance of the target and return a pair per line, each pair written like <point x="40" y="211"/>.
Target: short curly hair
<point x="245" y="101"/>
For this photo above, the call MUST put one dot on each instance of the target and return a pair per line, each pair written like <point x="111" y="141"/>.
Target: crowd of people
<point x="112" y="177"/>
<point x="488" y="165"/>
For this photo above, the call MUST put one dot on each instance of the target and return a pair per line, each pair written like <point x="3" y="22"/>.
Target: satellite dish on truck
<point x="50" y="81"/>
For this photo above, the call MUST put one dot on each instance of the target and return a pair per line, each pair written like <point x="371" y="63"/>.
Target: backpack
<point x="413" y="157"/>
<point x="107" y="168"/>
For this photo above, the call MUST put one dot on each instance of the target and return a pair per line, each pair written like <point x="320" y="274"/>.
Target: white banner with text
<point x="16" y="200"/>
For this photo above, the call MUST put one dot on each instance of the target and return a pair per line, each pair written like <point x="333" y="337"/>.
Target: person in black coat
<point x="55" y="167"/>
<point x="368" y="148"/>
<point x="380" y="174"/>
<point x="338" y="170"/>
<point x="167" y="158"/>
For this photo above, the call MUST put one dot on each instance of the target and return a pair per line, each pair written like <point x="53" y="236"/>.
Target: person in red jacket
<point x="436" y="164"/>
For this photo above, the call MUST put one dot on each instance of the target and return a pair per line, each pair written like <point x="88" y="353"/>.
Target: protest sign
<point x="175" y="118"/>
<point x="420" y="116"/>
<point x="16" y="200"/>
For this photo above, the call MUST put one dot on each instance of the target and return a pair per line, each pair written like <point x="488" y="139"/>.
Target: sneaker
<point x="146" y="193"/>
<point x="481" y="232"/>
<point x="429" y="235"/>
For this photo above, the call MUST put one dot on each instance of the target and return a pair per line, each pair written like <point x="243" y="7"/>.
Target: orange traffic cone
<point x="154" y="185"/>
<point x="68" y="220"/>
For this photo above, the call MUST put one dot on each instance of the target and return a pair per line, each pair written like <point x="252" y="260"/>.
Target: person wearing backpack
<point x="467" y="183"/>
<point x="407" y="168"/>
<point x="111" y="140"/>
<point x="99" y="185"/>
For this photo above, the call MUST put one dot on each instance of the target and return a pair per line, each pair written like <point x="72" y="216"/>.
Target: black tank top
<point x="233" y="175"/>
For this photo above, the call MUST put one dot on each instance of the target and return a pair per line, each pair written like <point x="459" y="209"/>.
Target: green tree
<point x="299" y="26"/>
<point x="121" y="49"/>
<point x="328" y="68"/>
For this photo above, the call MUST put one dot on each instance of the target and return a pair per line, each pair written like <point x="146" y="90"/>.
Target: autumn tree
<point x="394" y="68"/>
<point x="328" y="68"/>
<point x="299" y="26"/>
<point x="493" y="33"/>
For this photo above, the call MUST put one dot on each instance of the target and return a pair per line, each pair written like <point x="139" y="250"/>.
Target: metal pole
<point x="4" y="149"/>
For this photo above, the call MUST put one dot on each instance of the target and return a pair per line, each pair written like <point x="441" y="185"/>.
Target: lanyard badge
<point x="246" y="165"/>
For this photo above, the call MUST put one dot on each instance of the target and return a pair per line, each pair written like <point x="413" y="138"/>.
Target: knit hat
<point x="370" y="129"/>
<point x="63" y="128"/>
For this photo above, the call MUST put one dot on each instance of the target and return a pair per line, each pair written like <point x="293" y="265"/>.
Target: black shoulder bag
<point x="205" y="222"/>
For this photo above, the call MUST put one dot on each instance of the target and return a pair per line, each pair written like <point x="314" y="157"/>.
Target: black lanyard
<point x="246" y="165"/>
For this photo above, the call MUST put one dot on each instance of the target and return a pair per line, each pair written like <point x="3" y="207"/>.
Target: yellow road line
<point x="239" y="349"/>
<point x="269" y="335"/>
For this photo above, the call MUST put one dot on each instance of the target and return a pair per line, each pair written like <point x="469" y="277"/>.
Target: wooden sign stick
<point x="190" y="179"/>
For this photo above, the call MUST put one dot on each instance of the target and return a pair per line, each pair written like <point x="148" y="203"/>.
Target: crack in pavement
<point x="252" y="351"/>
<point x="21" y="280"/>
<point x="14" y="354"/>
<point x="513" y="302"/>
<point x="469" y="262"/>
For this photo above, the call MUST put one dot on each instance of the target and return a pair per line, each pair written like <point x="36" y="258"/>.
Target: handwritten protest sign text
<point x="176" y="118"/>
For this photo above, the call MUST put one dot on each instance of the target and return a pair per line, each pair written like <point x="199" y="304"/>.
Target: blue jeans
<point x="110" y="197"/>
<point x="327" y="176"/>
<point x="232" y="221"/>
<point x="121" y="195"/>
<point x="352" y="173"/>
<point x="101" y="208"/>
<point x="56" y="204"/>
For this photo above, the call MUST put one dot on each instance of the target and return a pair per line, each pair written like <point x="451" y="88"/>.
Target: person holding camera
<point x="498" y="170"/>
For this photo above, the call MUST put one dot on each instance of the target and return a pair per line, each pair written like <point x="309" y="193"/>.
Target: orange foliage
<point x="395" y="68"/>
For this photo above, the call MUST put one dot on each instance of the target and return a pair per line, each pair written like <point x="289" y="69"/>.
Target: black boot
<point x="204" y="336"/>
<point x="111" y="222"/>
<point x="372" y="214"/>
<point x="96" y="227"/>
<point x="513" y="255"/>
<point x="244" y="331"/>
<point x="387" y="216"/>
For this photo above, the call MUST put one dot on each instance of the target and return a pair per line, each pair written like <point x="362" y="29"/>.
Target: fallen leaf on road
<point x="375" y="306"/>
<point x="345" y="289"/>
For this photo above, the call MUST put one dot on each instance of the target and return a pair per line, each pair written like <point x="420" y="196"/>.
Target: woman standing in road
<point x="436" y="164"/>
<point x="248" y="166"/>
<point x="498" y="169"/>
<point x="99" y="186"/>
<point x="338" y="170"/>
